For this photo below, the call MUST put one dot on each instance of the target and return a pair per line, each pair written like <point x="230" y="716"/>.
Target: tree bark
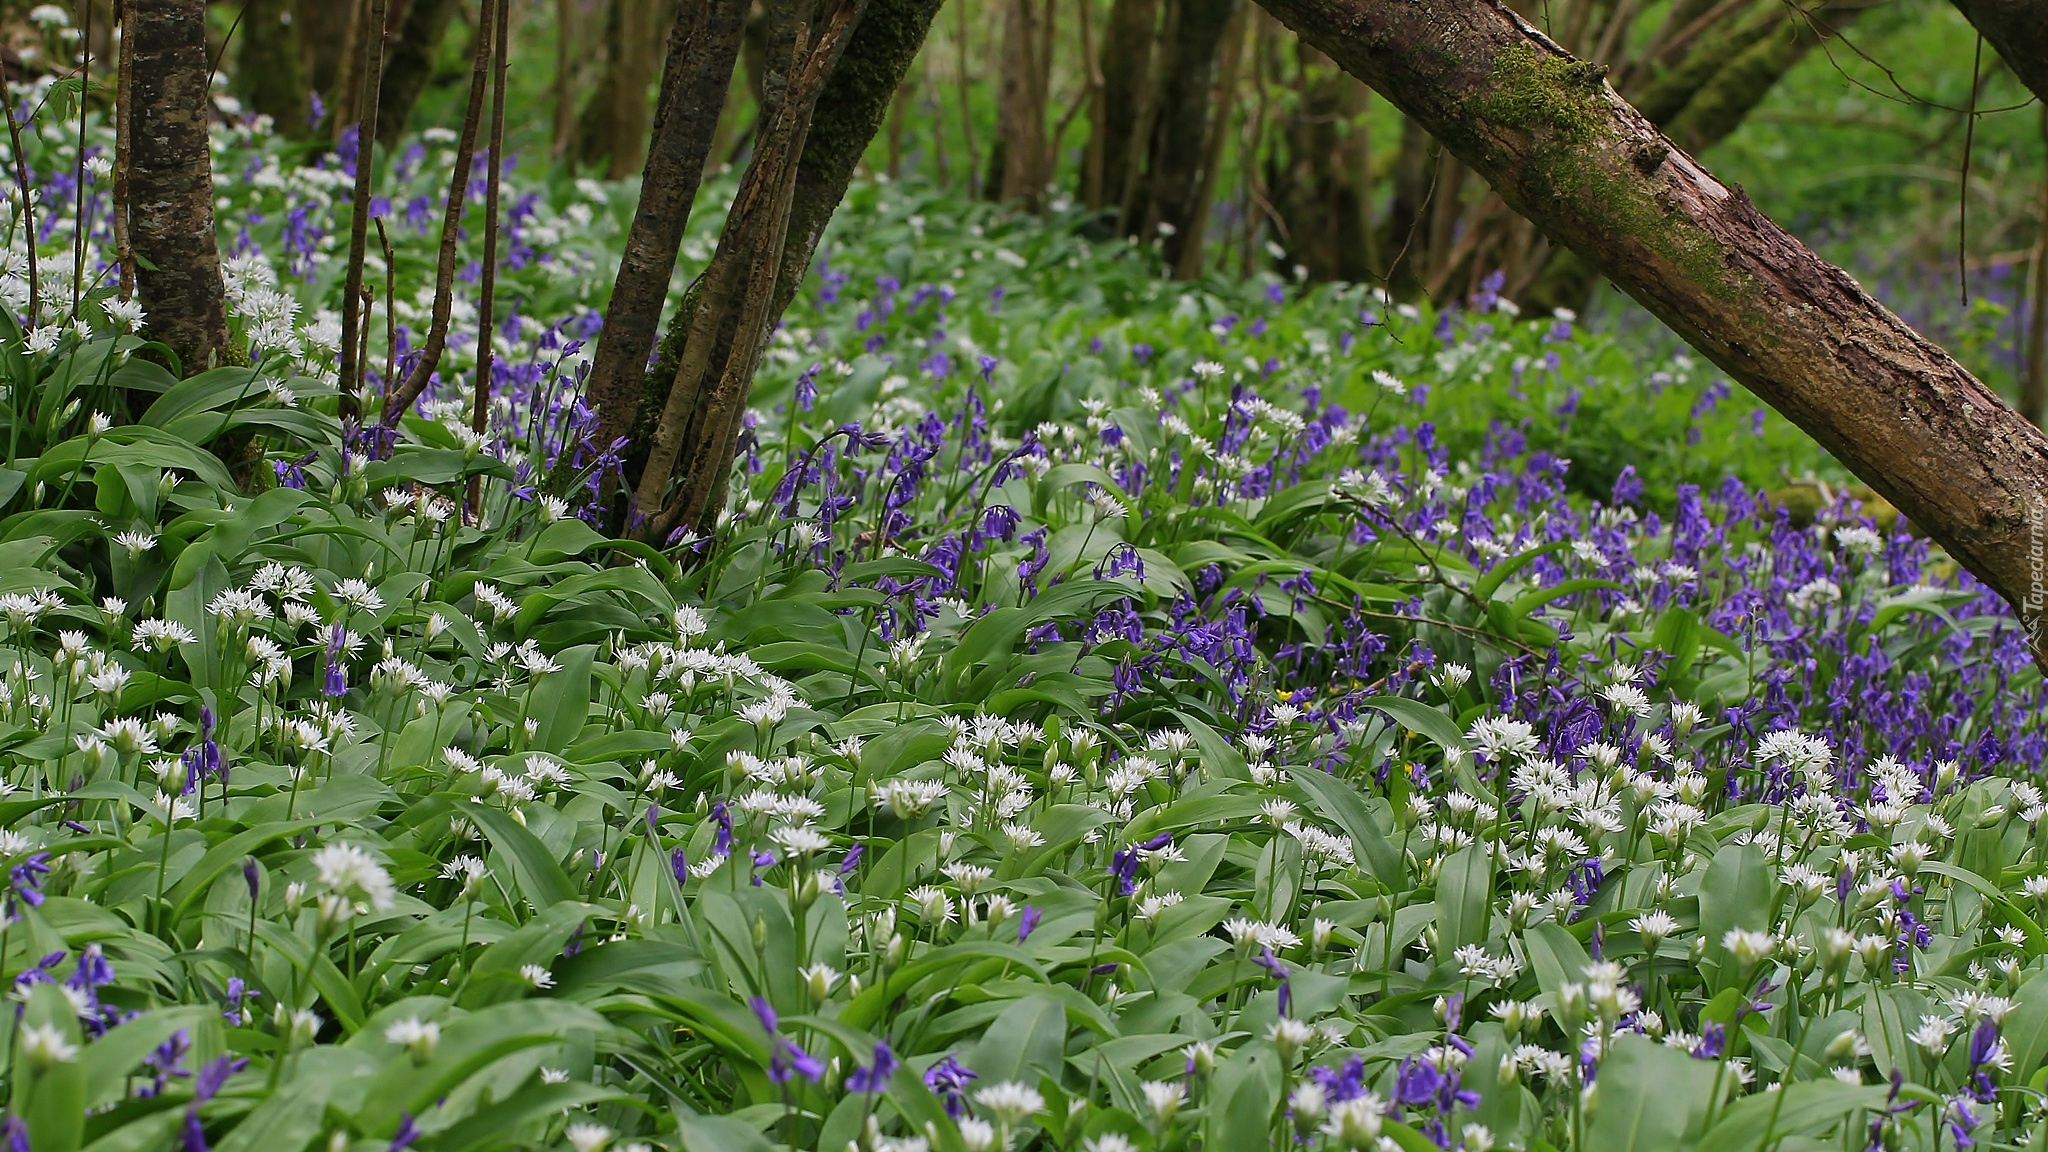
<point x="2019" y="30"/>
<point x="1323" y="190"/>
<point x="702" y="49"/>
<point x="613" y="129"/>
<point x="849" y="112"/>
<point x="171" y="184"/>
<point x="1182" y="130"/>
<point x="270" y="73"/>
<point x="323" y="34"/>
<point x="1564" y="150"/>
<point x="1021" y="110"/>
<point x="409" y="64"/>
<point x="1701" y="103"/>
<point x="1126" y="63"/>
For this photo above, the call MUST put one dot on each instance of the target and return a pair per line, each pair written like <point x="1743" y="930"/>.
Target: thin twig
<point x="480" y="412"/>
<point x="359" y="223"/>
<point x="78" y="219"/>
<point x="390" y="306"/>
<point x="28" y="214"/>
<point x="398" y="400"/>
<point x="124" y="90"/>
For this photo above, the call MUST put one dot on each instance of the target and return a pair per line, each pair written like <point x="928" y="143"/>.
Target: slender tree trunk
<point x="702" y="49"/>
<point x="124" y="134"/>
<point x="1027" y="47"/>
<point x="270" y="73"/>
<point x="1188" y="263"/>
<point x="324" y="35"/>
<point x="1324" y="190"/>
<point x="847" y="116"/>
<point x="409" y="64"/>
<point x="371" y="23"/>
<point x="399" y="400"/>
<point x="1127" y="49"/>
<point x="171" y="184"/>
<point x="1562" y="149"/>
<point x="1181" y="137"/>
<point x="613" y="130"/>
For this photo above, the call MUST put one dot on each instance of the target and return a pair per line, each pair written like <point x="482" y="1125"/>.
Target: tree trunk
<point x="171" y="184"/>
<point x="409" y="64"/>
<point x="613" y="129"/>
<point x="1701" y="103"/>
<point x="849" y="112"/>
<point x="1562" y="149"/>
<point x="693" y="440"/>
<point x="1126" y="64"/>
<point x="1021" y="110"/>
<point x="2019" y="30"/>
<point x="702" y="49"/>
<point x="1323" y="191"/>
<point x="270" y="73"/>
<point x="1189" y="261"/>
<point x="1182" y="131"/>
<point x="323" y="34"/>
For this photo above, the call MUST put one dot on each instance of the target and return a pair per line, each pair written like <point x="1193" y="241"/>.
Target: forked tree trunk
<point x="613" y="130"/>
<point x="847" y="116"/>
<point x="270" y="73"/>
<point x="1323" y="189"/>
<point x="702" y="50"/>
<point x="1021" y="109"/>
<point x="409" y="64"/>
<point x="1563" y="149"/>
<point x="692" y="442"/>
<point x="1127" y="49"/>
<point x="170" y="184"/>
<point x="1181" y="133"/>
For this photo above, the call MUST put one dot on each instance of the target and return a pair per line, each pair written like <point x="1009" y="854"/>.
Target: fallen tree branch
<point x="1593" y="173"/>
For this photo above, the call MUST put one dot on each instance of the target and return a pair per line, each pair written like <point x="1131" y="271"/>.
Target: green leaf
<point x="1650" y="1097"/>
<point x="535" y="871"/>
<point x="1341" y="803"/>
<point x="50" y="1100"/>
<point x="1736" y="893"/>
<point x="1806" y="1107"/>
<point x="562" y="699"/>
<point x="1420" y="719"/>
<point x="719" y="1134"/>
<point x="1464" y="898"/>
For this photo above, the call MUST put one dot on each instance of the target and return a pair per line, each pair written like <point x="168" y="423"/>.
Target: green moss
<point x="1540" y="93"/>
<point x="1558" y="104"/>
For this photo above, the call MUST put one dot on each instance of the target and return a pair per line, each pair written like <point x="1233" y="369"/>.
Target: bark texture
<point x="171" y="184"/>
<point x="693" y="441"/>
<point x="703" y="47"/>
<point x="1021" y="110"/>
<point x="1322" y="178"/>
<point x="613" y="130"/>
<point x="1126" y="68"/>
<point x="270" y="72"/>
<point x="409" y="64"/>
<point x="1181" y="135"/>
<point x="849" y="113"/>
<point x="2019" y="30"/>
<point x="1561" y="148"/>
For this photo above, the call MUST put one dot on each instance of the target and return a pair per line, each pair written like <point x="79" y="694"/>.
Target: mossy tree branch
<point x="1564" y="150"/>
